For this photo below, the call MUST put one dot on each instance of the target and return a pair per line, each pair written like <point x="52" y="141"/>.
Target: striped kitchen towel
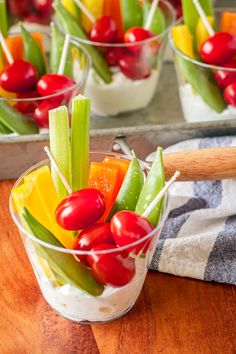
<point x="198" y="239"/>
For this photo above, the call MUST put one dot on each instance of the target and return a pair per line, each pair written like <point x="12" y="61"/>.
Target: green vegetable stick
<point x="32" y="52"/>
<point x="153" y="185"/>
<point x="80" y="123"/>
<point x="3" y="18"/>
<point x="158" y="23"/>
<point x="60" y="147"/>
<point x="191" y="15"/>
<point x="15" y="121"/>
<point x="63" y="264"/>
<point x="4" y="129"/>
<point x="57" y="43"/>
<point x="130" y="190"/>
<point x="202" y="82"/>
<point x="69" y="25"/>
<point x="131" y="11"/>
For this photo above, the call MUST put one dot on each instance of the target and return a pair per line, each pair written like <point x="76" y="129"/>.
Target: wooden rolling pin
<point x="203" y="164"/>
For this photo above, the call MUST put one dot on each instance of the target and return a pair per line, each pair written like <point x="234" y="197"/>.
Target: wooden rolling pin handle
<point x="202" y="164"/>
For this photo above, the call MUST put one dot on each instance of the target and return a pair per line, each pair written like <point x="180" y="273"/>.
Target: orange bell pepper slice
<point x="121" y="164"/>
<point x="228" y="22"/>
<point x="15" y="46"/>
<point x="107" y="180"/>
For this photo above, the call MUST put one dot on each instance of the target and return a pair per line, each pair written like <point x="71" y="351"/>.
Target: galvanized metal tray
<point x="161" y="123"/>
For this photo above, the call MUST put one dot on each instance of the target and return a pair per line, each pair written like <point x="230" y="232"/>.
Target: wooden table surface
<point x="172" y="315"/>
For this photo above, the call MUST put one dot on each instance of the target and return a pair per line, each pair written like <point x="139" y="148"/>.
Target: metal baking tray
<point x="161" y="123"/>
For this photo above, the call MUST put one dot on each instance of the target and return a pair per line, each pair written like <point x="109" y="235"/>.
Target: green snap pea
<point x="62" y="264"/>
<point x="4" y="129"/>
<point x="158" y="23"/>
<point x="15" y="121"/>
<point x="154" y="183"/>
<point x="131" y="11"/>
<point x="71" y="26"/>
<point x="131" y="188"/>
<point x="32" y="52"/>
<point x="57" y="43"/>
<point x="202" y="82"/>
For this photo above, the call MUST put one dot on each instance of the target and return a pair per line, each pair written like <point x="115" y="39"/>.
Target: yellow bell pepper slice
<point x="201" y="31"/>
<point x="96" y="9"/>
<point x="1" y="62"/>
<point x="38" y="195"/>
<point x="7" y="94"/>
<point x="71" y="7"/>
<point x="183" y="40"/>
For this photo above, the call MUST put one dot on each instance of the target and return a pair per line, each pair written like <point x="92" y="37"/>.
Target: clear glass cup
<point x="200" y="97"/>
<point x="135" y="73"/>
<point x="70" y="301"/>
<point x="27" y="103"/>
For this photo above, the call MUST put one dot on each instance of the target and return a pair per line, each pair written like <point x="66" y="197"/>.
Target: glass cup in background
<point x="26" y="103"/>
<point x="72" y="302"/>
<point x="134" y="81"/>
<point x="199" y="94"/>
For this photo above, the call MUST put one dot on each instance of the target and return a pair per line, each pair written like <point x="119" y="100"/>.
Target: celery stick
<point x="191" y="15"/>
<point x="80" y="124"/>
<point x="158" y="23"/>
<point x="57" y="43"/>
<point x="60" y="147"/>
<point x="3" y="18"/>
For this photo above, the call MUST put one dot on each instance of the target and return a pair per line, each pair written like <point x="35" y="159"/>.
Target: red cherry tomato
<point x="81" y="209"/>
<point x="19" y="7"/>
<point x="218" y="49"/>
<point x="44" y="6"/>
<point x="137" y="34"/>
<point x="41" y="117"/>
<point x="50" y="84"/>
<point x="35" y="18"/>
<point x="91" y="237"/>
<point x="128" y="227"/>
<point x="113" y="55"/>
<point x="134" y="67"/>
<point x="112" y="269"/>
<point x="104" y="30"/>
<point x="21" y="76"/>
<point x="230" y="94"/>
<point x="27" y="107"/>
<point x="225" y="78"/>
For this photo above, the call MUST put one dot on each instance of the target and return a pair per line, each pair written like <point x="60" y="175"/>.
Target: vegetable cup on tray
<point x="204" y="47"/>
<point x="89" y="221"/>
<point x="126" y="41"/>
<point x="38" y="73"/>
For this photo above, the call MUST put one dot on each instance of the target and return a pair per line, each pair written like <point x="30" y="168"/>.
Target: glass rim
<point x="194" y="61"/>
<point x="83" y="252"/>
<point x="172" y="12"/>
<point x="77" y="85"/>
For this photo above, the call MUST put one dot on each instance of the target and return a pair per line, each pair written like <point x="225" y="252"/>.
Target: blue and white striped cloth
<point x="198" y="239"/>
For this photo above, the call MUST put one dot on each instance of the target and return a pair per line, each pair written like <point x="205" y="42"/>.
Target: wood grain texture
<point x="172" y="315"/>
<point x="203" y="164"/>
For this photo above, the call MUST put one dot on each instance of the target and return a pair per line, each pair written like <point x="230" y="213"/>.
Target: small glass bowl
<point x="196" y="104"/>
<point x="81" y="64"/>
<point x="74" y="303"/>
<point x="129" y="90"/>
